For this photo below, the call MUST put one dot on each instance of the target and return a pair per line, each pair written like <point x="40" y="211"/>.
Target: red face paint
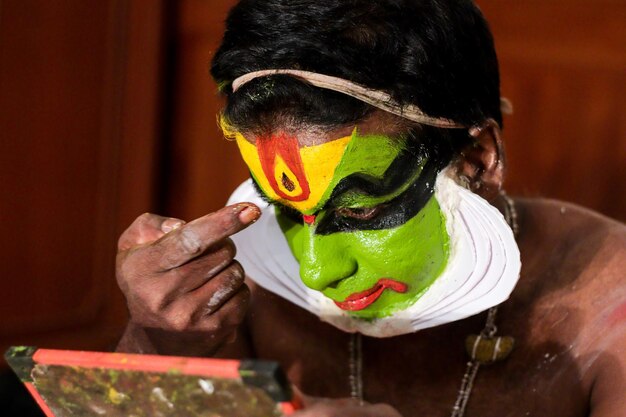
<point x="309" y="219"/>
<point x="363" y="299"/>
<point x="288" y="149"/>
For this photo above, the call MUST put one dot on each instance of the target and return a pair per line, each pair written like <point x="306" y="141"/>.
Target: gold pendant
<point x="486" y="350"/>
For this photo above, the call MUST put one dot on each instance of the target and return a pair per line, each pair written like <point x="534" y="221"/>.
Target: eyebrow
<point x="385" y="188"/>
<point x="359" y="198"/>
<point x="261" y="194"/>
<point x="268" y="199"/>
<point x="399" y="175"/>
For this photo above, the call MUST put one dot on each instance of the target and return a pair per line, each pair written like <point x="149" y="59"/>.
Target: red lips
<point x="363" y="299"/>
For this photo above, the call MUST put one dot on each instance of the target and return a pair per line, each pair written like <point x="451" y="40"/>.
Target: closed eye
<point x="292" y="214"/>
<point x="360" y="213"/>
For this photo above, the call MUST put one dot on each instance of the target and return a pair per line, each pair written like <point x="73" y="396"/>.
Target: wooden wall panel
<point x="79" y="127"/>
<point x="562" y="65"/>
<point x="204" y="168"/>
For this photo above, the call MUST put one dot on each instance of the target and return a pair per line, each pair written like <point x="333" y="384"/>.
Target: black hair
<point x="437" y="54"/>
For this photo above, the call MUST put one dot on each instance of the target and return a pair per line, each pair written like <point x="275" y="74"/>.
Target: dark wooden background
<point x="107" y="111"/>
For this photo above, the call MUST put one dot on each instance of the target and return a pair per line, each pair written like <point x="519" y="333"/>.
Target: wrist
<point x="135" y="340"/>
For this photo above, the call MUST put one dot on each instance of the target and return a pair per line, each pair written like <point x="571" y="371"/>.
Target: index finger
<point x="193" y="239"/>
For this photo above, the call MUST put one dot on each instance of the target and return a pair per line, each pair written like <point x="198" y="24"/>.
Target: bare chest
<point x="420" y="374"/>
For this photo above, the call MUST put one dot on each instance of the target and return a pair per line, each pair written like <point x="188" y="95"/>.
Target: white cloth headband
<point x="376" y="98"/>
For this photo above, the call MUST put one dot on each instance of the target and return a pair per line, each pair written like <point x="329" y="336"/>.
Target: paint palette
<point x="71" y="383"/>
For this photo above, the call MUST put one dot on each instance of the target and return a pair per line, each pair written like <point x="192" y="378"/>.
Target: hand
<point x="185" y="292"/>
<point x="343" y="407"/>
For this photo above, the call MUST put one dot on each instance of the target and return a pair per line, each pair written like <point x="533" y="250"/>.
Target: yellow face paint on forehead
<point x="292" y="175"/>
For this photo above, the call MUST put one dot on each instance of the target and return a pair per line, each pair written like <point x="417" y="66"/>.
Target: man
<point x="365" y="123"/>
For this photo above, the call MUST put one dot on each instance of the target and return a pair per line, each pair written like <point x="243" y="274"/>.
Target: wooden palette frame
<point x="265" y="375"/>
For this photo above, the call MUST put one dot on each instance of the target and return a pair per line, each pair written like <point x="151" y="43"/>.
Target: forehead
<point x="378" y="123"/>
<point x="304" y="177"/>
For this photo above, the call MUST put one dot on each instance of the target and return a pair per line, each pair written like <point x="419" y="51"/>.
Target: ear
<point x="481" y="165"/>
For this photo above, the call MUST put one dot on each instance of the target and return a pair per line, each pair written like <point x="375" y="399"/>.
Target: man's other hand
<point x="341" y="407"/>
<point x="185" y="292"/>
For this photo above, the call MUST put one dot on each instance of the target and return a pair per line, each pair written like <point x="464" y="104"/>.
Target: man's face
<point x="358" y="212"/>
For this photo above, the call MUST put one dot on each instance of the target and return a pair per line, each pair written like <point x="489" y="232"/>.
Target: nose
<point x="325" y="260"/>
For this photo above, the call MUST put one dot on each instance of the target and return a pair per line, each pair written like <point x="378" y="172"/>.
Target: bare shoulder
<point x="589" y="246"/>
<point x="573" y="287"/>
<point x="572" y="254"/>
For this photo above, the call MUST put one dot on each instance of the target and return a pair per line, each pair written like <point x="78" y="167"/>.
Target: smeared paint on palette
<point x="67" y="383"/>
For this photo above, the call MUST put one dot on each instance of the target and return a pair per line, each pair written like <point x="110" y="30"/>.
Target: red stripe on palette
<point x="151" y="363"/>
<point x="38" y="399"/>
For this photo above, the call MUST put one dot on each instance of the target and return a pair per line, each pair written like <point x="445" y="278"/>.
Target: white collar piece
<point x="482" y="270"/>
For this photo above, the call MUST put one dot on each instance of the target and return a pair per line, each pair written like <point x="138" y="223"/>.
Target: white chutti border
<point x="482" y="271"/>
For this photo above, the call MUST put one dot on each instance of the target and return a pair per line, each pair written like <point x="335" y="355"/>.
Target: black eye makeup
<point x="363" y="202"/>
<point x="414" y="172"/>
<point x="360" y="213"/>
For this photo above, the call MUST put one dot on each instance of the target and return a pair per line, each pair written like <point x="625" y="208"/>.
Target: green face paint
<point x="366" y="156"/>
<point x="379" y="240"/>
<point x="346" y="263"/>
